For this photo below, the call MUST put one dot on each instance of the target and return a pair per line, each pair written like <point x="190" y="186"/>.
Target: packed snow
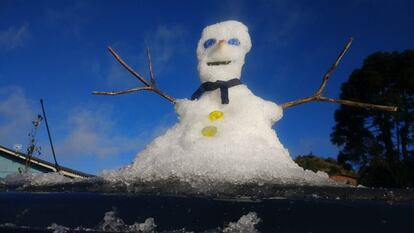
<point x="216" y="142"/>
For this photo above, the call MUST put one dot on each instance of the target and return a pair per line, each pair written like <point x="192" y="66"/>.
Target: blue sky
<point x="56" y="50"/>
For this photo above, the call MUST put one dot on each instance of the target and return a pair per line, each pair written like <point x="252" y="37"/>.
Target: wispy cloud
<point x="14" y="37"/>
<point x="16" y="115"/>
<point x="284" y="24"/>
<point x="119" y="78"/>
<point x="165" y="43"/>
<point x="93" y="132"/>
<point x="69" y="19"/>
<point x="284" y="30"/>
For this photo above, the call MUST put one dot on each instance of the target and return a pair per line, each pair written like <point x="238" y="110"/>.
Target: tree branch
<point x="126" y="66"/>
<point x="318" y="94"/>
<point x="152" y="80"/>
<point x="359" y="104"/>
<point x="149" y="86"/>
<point x="333" y="66"/>
<point x="121" y="92"/>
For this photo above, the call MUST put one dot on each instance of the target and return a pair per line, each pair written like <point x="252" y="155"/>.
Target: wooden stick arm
<point x="127" y="67"/>
<point x="318" y="94"/>
<point x="148" y="85"/>
<point x="339" y="101"/>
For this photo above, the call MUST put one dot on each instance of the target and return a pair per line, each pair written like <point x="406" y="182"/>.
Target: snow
<point x="244" y="149"/>
<point x="246" y="224"/>
<point x="236" y="54"/>
<point x="58" y="229"/>
<point x="36" y="179"/>
<point x="112" y="223"/>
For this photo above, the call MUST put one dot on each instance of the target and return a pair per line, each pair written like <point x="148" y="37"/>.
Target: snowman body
<point x="245" y="147"/>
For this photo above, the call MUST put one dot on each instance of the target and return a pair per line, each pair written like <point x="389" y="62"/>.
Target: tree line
<point x="379" y="145"/>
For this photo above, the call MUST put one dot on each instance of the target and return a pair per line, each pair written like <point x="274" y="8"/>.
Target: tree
<point x="380" y="144"/>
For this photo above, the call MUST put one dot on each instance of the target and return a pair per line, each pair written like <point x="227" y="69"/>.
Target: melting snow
<point x="37" y="179"/>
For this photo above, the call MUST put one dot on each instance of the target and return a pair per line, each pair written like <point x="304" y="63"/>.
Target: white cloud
<point x="14" y="37"/>
<point x="93" y="132"/>
<point x="88" y="132"/>
<point x="16" y="115"/>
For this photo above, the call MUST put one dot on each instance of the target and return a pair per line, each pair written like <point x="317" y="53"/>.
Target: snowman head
<point x="221" y="51"/>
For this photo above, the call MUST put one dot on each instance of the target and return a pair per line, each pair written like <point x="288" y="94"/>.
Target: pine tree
<point x="380" y="144"/>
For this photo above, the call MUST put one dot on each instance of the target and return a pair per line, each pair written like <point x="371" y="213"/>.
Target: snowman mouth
<point x="218" y="63"/>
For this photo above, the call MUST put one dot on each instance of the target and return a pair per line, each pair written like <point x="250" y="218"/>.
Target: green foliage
<point x="380" y="143"/>
<point x="328" y="165"/>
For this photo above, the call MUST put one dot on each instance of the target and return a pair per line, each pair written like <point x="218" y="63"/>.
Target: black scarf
<point x="211" y="86"/>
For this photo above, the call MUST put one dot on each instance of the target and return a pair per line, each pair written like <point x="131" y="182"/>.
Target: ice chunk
<point x="112" y="223"/>
<point x="58" y="229"/>
<point x="246" y="224"/>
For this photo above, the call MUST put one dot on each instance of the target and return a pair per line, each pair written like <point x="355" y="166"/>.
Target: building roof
<point x="43" y="163"/>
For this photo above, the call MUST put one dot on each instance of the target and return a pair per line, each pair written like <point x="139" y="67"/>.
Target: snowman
<point x="224" y="132"/>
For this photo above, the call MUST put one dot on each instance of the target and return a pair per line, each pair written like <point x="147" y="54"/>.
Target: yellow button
<point x="215" y="115"/>
<point x="209" y="131"/>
